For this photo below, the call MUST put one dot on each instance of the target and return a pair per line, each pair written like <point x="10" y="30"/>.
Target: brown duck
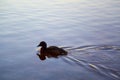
<point x="51" y="51"/>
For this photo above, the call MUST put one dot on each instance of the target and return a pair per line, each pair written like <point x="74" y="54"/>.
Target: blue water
<point x="90" y="28"/>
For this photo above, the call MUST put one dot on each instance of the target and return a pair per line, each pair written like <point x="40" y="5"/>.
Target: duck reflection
<point x="49" y="52"/>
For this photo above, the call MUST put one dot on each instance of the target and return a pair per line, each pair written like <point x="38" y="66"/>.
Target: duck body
<point x="51" y="51"/>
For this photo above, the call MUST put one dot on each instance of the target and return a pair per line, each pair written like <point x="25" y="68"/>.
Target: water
<point x="89" y="28"/>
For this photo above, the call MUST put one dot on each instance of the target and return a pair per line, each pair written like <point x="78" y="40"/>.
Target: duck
<point x="51" y="51"/>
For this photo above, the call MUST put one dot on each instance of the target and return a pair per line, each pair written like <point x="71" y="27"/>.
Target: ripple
<point x="99" y="68"/>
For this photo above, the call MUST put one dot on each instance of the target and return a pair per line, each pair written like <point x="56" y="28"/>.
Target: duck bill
<point x="38" y="45"/>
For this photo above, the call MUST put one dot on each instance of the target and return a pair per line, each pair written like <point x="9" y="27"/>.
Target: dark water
<point x="90" y="29"/>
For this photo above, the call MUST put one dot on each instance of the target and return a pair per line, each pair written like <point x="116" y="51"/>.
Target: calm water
<point x="89" y="28"/>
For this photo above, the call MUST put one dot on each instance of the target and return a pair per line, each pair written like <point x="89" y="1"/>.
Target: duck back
<point x="56" y="51"/>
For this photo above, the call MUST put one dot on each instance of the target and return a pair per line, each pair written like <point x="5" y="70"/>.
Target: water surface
<point x="89" y="28"/>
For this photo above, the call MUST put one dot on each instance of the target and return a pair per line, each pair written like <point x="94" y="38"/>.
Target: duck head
<point x="43" y="44"/>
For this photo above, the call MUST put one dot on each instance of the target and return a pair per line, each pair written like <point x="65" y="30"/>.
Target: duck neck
<point x="43" y="49"/>
<point x="44" y="46"/>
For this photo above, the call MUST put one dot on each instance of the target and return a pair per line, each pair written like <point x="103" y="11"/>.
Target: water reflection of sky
<point x="24" y="23"/>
